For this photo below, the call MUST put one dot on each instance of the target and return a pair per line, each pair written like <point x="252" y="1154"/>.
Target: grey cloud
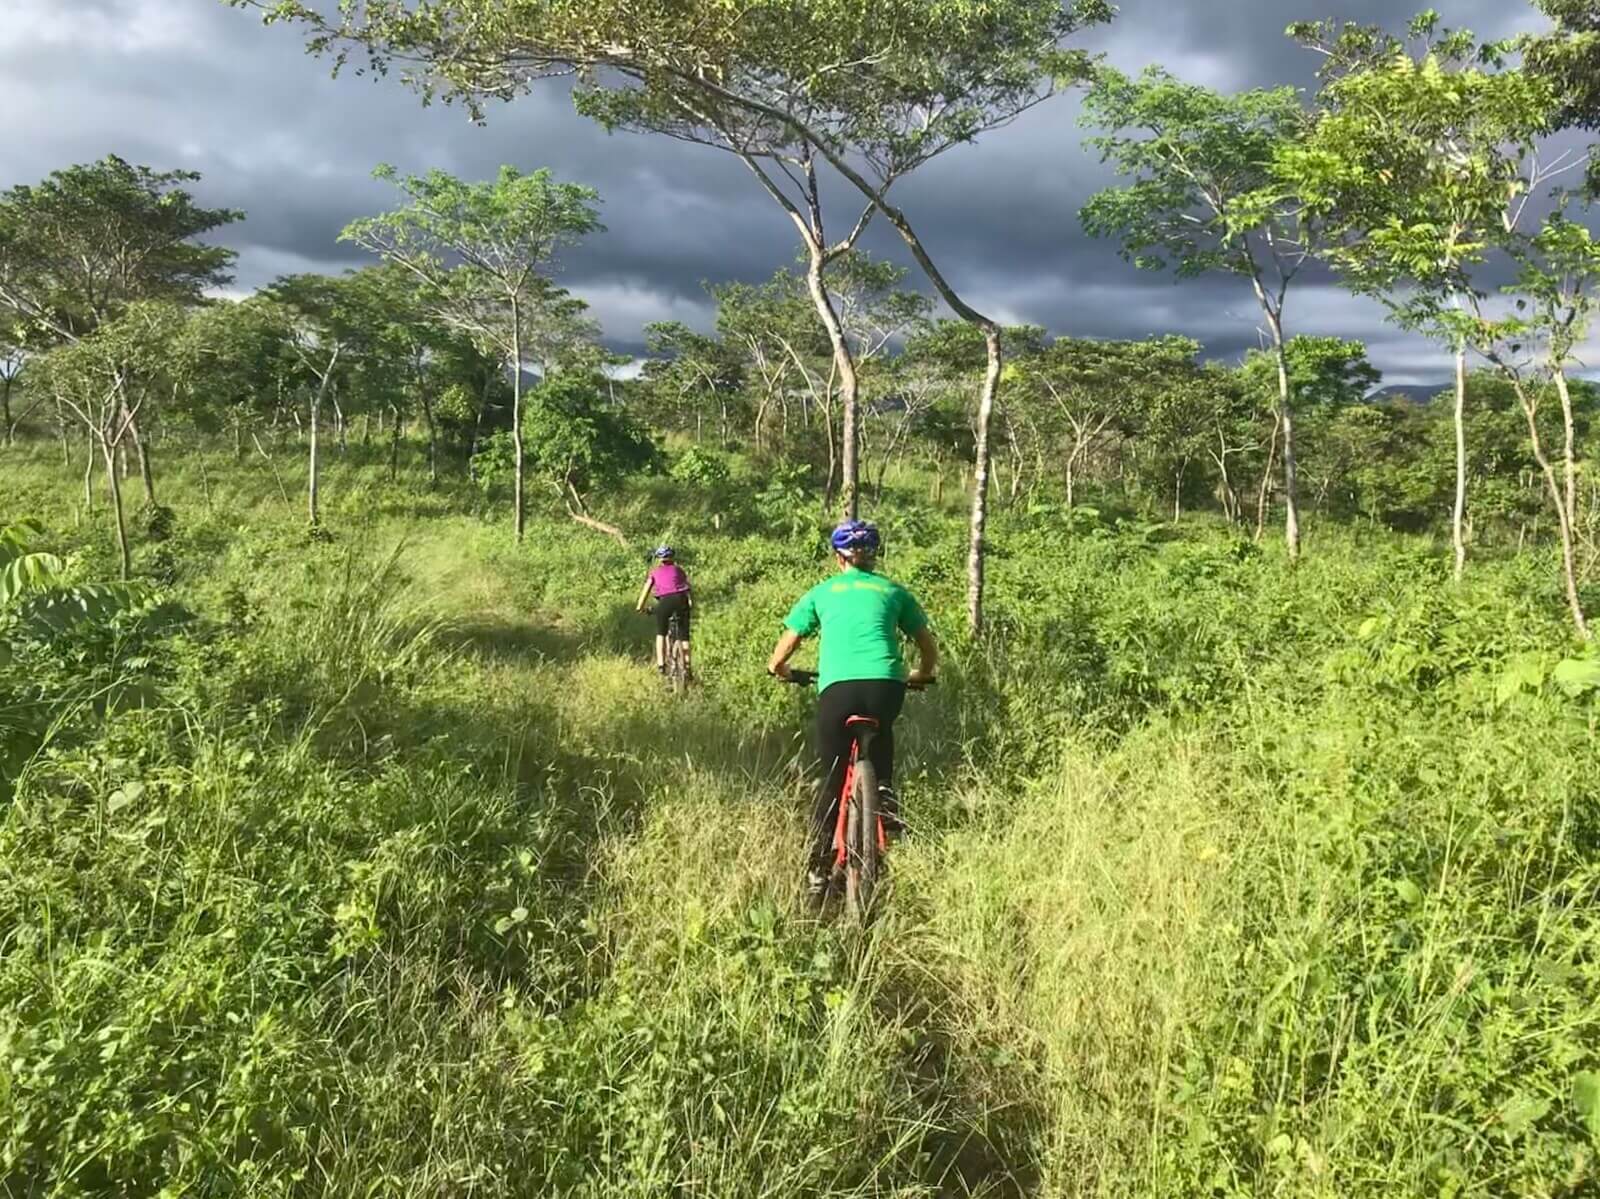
<point x="191" y="83"/>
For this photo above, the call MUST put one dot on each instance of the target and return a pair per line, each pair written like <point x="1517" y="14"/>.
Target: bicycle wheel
<point x="675" y="665"/>
<point x="861" y="841"/>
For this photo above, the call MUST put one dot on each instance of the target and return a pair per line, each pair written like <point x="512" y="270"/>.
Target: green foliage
<point x="1417" y="162"/>
<point x="91" y="239"/>
<point x="1204" y="195"/>
<point x="1300" y="865"/>
<point x="575" y="440"/>
<point x="702" y="469"/>
<point x="478" y="251"/>
<point x="1567" y="57"/>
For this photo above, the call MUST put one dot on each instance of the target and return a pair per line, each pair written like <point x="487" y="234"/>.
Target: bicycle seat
<point x="861" y="722"/>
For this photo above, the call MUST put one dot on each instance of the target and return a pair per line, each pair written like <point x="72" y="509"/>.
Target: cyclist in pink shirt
<point x="668" y="583"/>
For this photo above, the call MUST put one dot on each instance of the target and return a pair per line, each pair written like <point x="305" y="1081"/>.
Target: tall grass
<point x="394" y="872"/>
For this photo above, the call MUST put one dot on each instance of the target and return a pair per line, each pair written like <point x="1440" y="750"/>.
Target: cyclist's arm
<point x="644" y="597"/>
<point x="928" y="667"/>
<point x="782" y="652"/>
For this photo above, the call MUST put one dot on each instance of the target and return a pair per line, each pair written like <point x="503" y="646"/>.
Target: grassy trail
<point x="396" y="871"/>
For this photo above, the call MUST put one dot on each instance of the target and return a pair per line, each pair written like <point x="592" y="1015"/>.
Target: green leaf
<point x="1577" y="676"/>
<point x="126" y="794"/>
<point x="1408" y="892"/>
<point x="1521" y="1112"/>
<point x="1586" y="1100"/>
<point x="1526" y="672"/>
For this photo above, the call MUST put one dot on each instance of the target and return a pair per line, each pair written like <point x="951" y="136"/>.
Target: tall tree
<point x="78" y="248"/>
<point x="1557" y="296"/>
<point x="1100" y="389"/>
<point x="328" y="321"/>
<point x="1567" y="58"/>
<point x="1205" y="197"/>
<point x="873" y="90"/>
<point x="12" y="359"/>
<point x="234" y="360"/>
<point x="479" y="251"/>
<point x="687" y="368"/>
<point x="104" y="377"/>
<point x="1422" y="158"/>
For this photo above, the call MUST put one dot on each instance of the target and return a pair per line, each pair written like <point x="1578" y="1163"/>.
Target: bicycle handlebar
<point x="805" y="678"/>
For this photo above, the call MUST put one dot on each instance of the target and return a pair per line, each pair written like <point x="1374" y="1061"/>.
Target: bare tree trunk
<point x="833" y="442"/>
<point x="88" y="479"/>
<point x="477" y="429"/>
<point x="1568" y="502"/>
<point x="324" y="386"/>
<point x="516" y="413"/>
<point x="66" y="445"/>
<point x="1266" y="480"/>
<point x="116" y="508"/>
<point x="849" y="387"/>
<point x="394" y="448"/>
<point x="142" y="449"/>
<point x="313" y="463"/>
<point x="1569" y="454"/>
<point x="1291" y="499"/>
<point x="339" y="429"/>
<point x="1558" y="498"/>
<point x="205" y="479"/>
<point x="1458" y="524"/>
<point x="986" y="397"/>
<point x="980" y="491"/>
<point x="5" y="409"/>
<point x="433" y="439"/>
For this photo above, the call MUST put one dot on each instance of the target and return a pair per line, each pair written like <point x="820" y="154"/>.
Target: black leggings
<point x="880" y="698"/>
<point x="668" y="606"/>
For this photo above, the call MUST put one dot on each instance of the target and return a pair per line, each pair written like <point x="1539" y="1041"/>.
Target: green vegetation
<point x="382" y="865"/>
<point x="356" y="848"/>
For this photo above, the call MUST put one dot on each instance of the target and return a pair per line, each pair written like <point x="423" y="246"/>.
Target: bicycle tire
<point x="675" y="666"/>
<point x="861" y="842"/>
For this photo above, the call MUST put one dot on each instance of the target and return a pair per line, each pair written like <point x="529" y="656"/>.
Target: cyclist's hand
<point x="919" y="679"/>
<point x="778" y="669"/>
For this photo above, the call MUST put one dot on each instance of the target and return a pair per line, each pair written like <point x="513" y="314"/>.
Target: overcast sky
<point x="194" y="84"/>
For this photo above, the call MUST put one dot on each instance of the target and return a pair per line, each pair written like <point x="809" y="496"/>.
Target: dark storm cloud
<point x="191" y="83"/>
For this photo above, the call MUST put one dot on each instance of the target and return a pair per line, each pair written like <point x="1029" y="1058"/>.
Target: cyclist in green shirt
<point x="861" y="672"/>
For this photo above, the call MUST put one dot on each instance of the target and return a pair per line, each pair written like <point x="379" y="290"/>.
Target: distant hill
<point x="1411" y="393"/>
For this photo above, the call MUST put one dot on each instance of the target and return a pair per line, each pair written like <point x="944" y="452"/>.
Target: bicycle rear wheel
<point x="861" y="842"/>
<point x="676" y="666"/>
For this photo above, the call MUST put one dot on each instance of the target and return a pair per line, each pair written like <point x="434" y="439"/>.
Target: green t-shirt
<point x="861" y="615"/>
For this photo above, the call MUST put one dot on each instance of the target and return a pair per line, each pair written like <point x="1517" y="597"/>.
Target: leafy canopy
<point x="896" y="80"/>
<point x="1420" y="160"/>
<point x="78" y="248"/>
<point x="1203" y="187"/>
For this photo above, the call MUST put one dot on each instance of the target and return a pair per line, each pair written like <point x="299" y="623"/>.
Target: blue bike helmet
<point x="663" y="552"/>
<point x="854" y="535"/>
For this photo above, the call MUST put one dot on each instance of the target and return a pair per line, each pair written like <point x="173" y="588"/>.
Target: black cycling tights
<point x="880" y="698"/>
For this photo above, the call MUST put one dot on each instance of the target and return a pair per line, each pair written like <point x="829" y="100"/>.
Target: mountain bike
<point x="677" y="663"/>
<point x="677" y="654"/>
<point x="859" y="838"/>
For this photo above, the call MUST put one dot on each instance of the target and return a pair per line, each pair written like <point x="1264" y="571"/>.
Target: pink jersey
<point x="668" y="579"/>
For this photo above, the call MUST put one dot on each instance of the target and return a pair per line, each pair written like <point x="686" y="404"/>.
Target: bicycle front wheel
<point x="861" y="840"/>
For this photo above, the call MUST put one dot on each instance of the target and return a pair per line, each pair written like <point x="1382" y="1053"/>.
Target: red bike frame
<point x="840" y="848"/>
